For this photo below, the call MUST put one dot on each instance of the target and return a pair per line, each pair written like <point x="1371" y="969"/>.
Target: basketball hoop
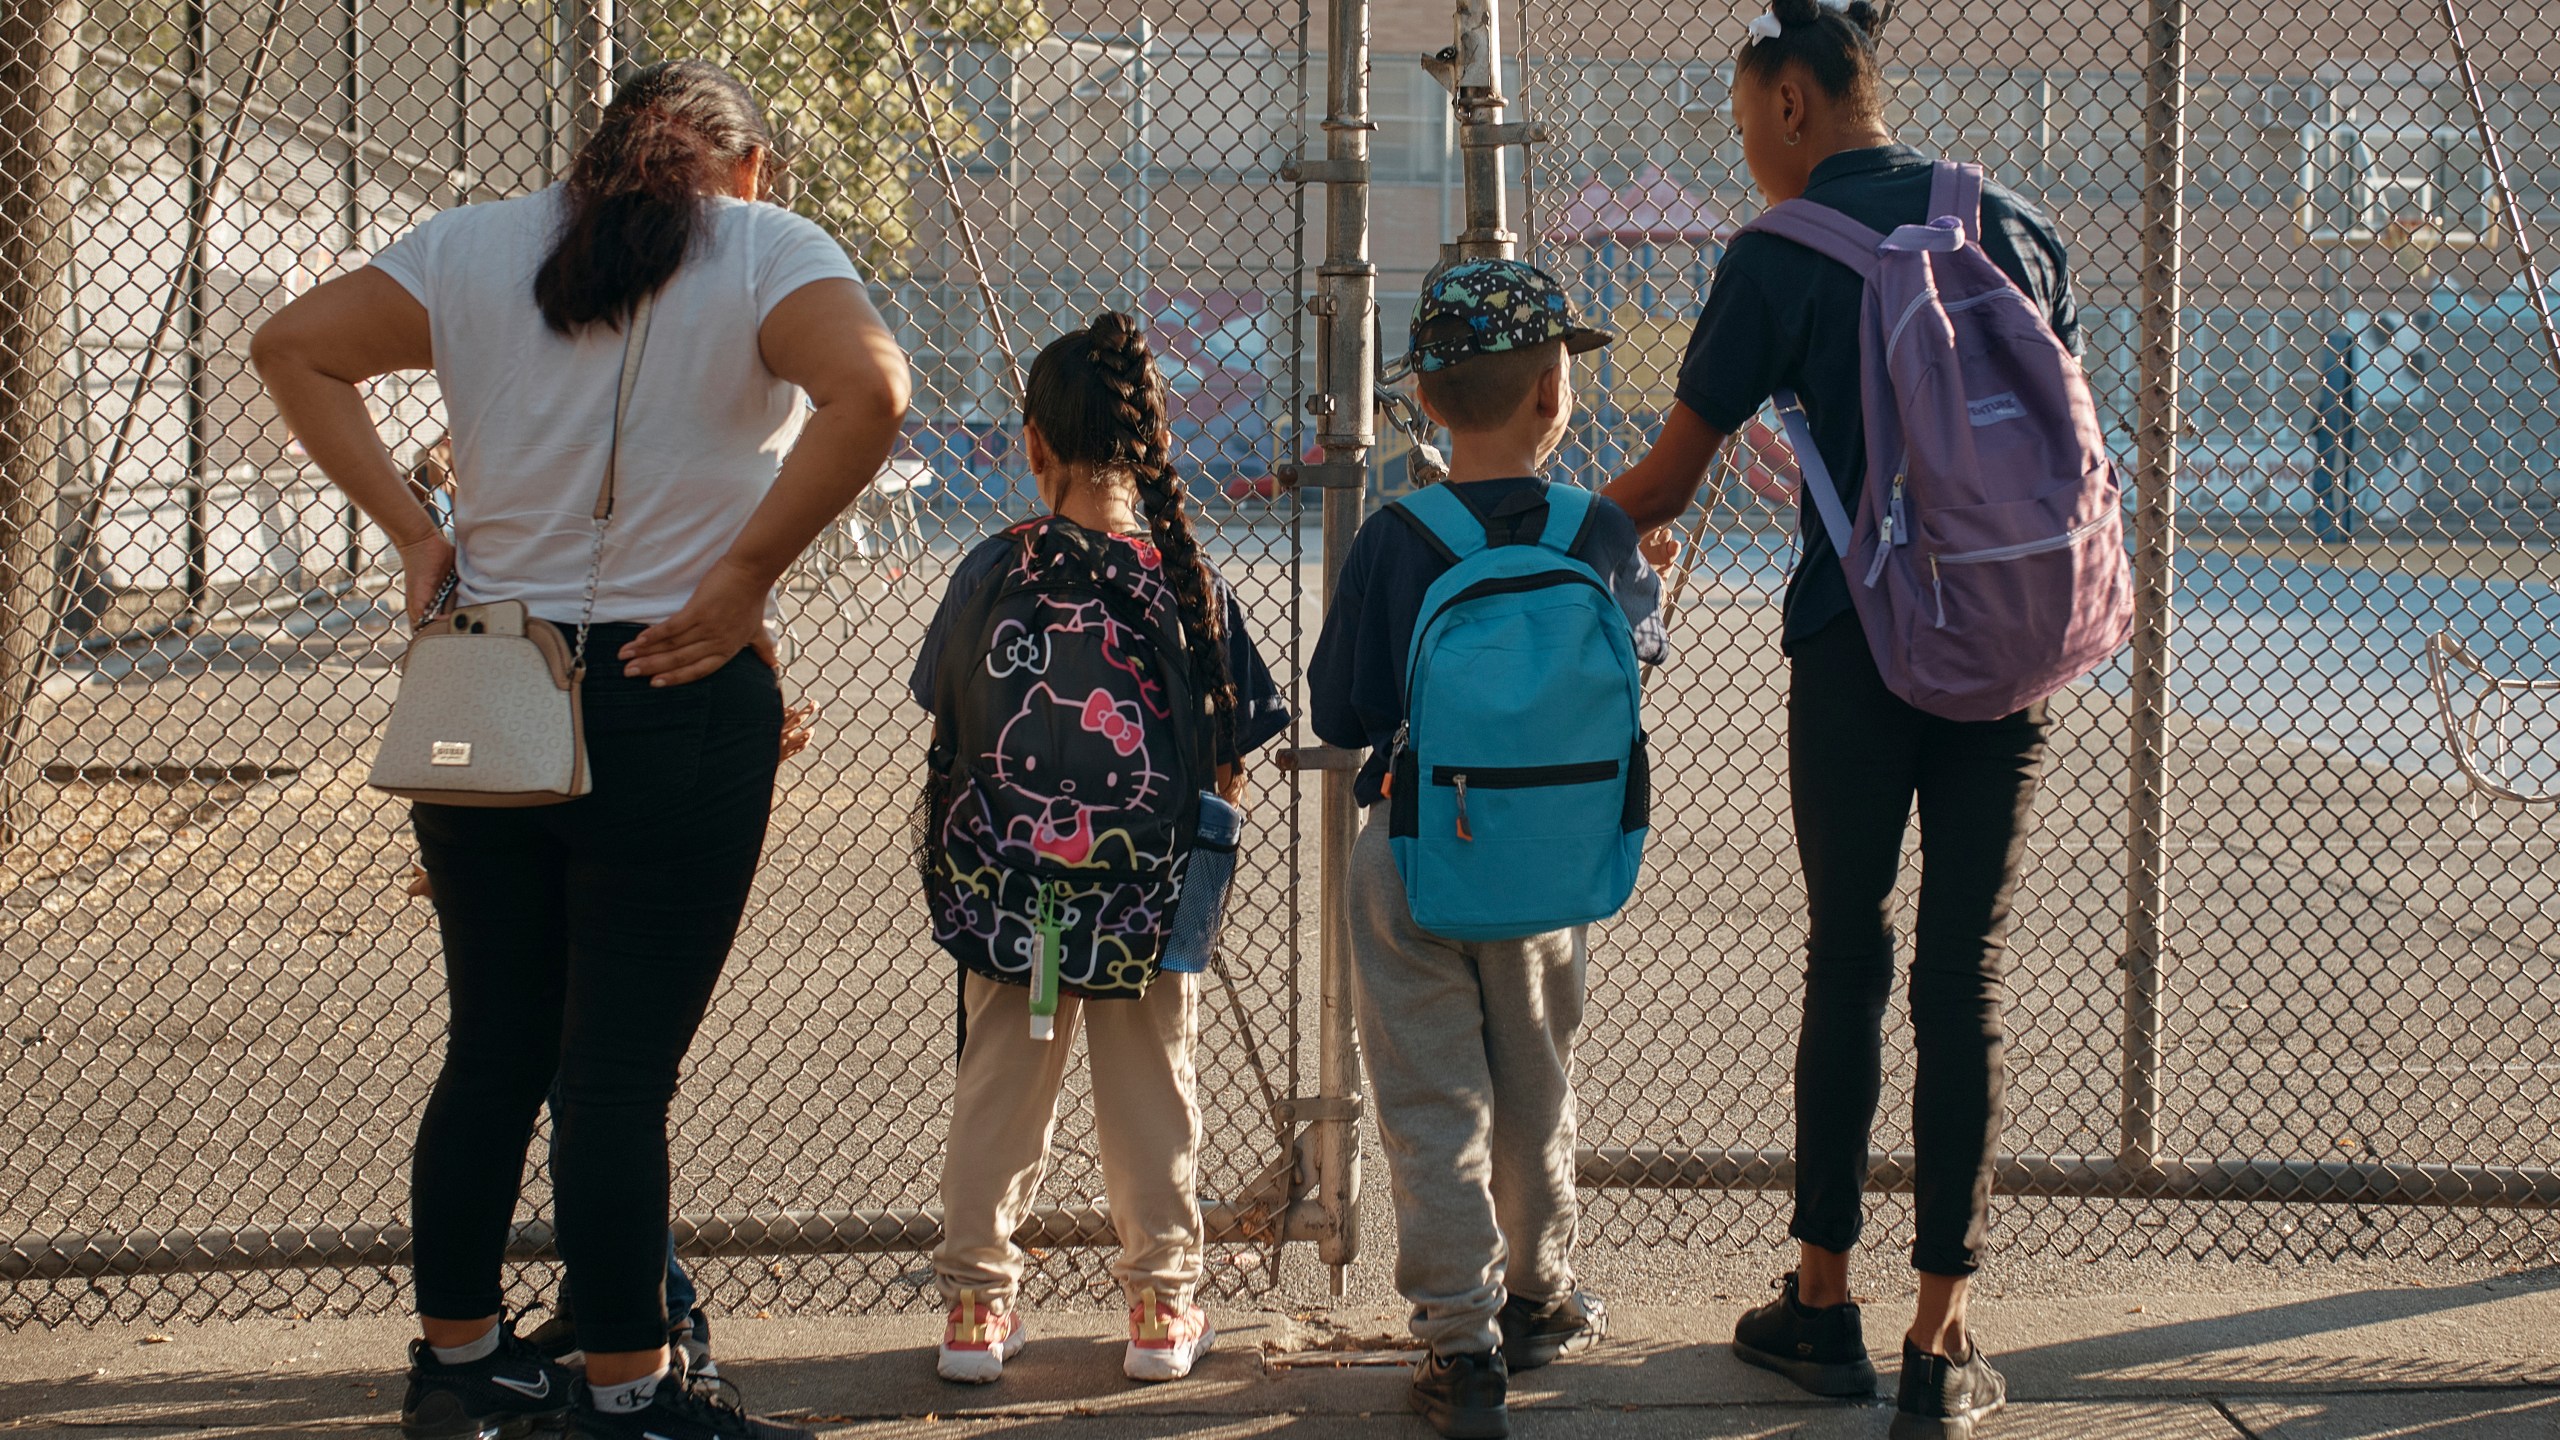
<point x="2411" y="239"/>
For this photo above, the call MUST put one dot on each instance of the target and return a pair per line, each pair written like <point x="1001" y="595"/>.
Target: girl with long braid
<point x="1039" y="792"/>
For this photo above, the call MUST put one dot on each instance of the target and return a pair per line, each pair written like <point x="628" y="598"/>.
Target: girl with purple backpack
<point x="1786" y="319"/>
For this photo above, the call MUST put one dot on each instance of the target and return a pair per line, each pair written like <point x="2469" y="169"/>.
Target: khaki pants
<point x="1146" y="1115"/>
<point x="1470" y="1049"/>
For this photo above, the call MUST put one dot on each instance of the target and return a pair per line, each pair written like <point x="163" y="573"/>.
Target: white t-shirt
<point x="532" y="410"/>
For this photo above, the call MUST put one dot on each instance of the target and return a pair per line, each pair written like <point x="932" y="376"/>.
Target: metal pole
<point x="351" y="519"/>
<point x="1345" y="307"/>
<point x="2506" y="190"/>
<point x="943" y="172"/>
<point x="38" y="53"/>
<point x="204" y="192"/>
<point x="590" y="34"/>
<point x="2156" y="428"/>
<point x="1476" y="85"/>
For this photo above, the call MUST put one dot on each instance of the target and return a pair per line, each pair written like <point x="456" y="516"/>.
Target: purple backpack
<point x="1987" y="560"/>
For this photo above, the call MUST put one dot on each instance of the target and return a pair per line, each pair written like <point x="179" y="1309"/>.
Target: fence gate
<point x="221" y="1010"/>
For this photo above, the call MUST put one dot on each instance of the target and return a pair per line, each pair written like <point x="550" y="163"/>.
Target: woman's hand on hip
<point x="724" y="616"/>
<point x="425" y="564"/>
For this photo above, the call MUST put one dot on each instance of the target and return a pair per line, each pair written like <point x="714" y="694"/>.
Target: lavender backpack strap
<point x="1835" y="236"/>
<point x="1956" y="189"/>
<point x="1824" y="231"/>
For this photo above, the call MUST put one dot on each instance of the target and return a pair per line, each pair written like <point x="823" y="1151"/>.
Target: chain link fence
<point x="220" y="1014"/>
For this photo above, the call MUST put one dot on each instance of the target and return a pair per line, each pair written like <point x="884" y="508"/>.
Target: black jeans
<point x="581" y="942"/>
<point x="1857" y="756"/>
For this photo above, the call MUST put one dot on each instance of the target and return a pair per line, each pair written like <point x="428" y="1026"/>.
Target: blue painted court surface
<point x="2329" y="656"/>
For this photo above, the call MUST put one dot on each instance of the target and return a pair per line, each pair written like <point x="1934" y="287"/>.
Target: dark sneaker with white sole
<point x="1823" y="1351"/>
<point x="679" y="1411"/>
<point x="1463" y="1396"/>
<point x="1535" y="1333"/>
<point x="689" y="1340"/>
<point x="1943" y="1399"/>
<point x="504" y="1395"/>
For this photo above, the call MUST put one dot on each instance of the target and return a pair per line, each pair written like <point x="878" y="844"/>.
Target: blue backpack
<point x="1517" y="790"/>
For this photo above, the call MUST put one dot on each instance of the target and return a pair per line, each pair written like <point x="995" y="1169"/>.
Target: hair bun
<point x="1113" y="331"/>
<point x="1869" y="15"/>
<point x="1796" y="12"/>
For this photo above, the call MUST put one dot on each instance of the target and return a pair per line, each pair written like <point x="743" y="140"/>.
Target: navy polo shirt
<point x="1355" y="682"/>
<point x="1780" y="317"/>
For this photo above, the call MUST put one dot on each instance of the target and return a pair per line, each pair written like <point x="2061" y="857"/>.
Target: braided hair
<point x="639" y="192"/>
<point x="1836" y="47"/>
<point x="1099" y="400"/>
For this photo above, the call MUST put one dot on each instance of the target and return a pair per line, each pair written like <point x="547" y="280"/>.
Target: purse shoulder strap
<point x="635" y="338"/>
<point x="633" y="342"/>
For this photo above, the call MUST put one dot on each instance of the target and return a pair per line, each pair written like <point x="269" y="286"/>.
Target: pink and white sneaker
<point x="976" y="1341"/>
<point x="1165" y="1341"/>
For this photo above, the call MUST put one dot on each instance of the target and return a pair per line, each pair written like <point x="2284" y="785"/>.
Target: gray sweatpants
<point x="1470" y="1045"/>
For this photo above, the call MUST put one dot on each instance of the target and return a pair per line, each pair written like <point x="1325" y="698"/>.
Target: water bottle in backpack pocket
<point x="1518" y="791"/>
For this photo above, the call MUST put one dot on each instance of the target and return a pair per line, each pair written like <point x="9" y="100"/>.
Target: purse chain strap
<point x="635" y="339"/>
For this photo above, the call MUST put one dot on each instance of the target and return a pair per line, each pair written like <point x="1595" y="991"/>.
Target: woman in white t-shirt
<point x="582" y="940"/>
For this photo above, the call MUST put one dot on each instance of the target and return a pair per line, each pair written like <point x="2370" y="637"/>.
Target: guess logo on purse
<point x="449" y="752"/>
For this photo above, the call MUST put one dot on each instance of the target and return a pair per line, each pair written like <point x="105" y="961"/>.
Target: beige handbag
<point x="488" y="712"/>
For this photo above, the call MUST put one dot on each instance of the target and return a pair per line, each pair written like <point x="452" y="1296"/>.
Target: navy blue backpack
<point x="1517" y="789"/>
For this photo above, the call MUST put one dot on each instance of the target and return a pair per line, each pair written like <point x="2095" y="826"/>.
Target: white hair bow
<point x="1764" y="26"/>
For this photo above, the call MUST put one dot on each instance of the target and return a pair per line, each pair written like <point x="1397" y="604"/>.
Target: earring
<point x="1792" y="138"/>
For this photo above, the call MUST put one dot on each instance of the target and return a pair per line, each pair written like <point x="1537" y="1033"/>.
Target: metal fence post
<point x="1476" y="90"/>
<point x="590" y="34"/>
<point x="37" y="54"/>
<point x="1345" y="307"/>
<point x="2155" y="541"/>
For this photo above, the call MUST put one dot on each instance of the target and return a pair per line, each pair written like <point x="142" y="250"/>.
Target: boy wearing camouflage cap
<point x="1469" y="1042"/>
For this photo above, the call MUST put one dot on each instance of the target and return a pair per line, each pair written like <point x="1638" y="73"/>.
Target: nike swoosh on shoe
<point x="540" y="1391"/>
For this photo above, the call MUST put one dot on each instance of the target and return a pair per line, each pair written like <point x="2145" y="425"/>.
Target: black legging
<point x="582" y="940"/>
<point x="1856" y="758"/>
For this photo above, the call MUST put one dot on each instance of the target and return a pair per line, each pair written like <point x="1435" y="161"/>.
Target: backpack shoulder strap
<point x="1956" y="189"/>
<point x="1824" y="231"/>
<point x="1568" y="510"/>
<point x="1445" y="518"/>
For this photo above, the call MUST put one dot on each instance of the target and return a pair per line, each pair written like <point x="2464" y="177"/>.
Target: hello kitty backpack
<point x="1070" y="749"/>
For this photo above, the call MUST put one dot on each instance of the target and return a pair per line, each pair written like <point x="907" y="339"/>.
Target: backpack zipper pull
<point x="1463" y="832"/>
<point x="1938" y="589"/>
<point x="1395" y="752"/>
<point x="1897" y="527"/>
<point x="1049" y="920"/>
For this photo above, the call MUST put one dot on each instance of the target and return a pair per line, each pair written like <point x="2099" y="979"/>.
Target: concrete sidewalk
<point x="2477" y="1361"/>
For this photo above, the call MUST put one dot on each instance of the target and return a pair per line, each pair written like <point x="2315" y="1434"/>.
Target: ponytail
<point x="639" y="192"/>
<point x="1099" y="400"/>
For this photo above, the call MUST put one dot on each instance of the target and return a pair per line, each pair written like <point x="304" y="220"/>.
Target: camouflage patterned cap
<point x="1485" y="307"/>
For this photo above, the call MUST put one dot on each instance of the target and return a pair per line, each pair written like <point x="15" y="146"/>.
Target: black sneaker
<point x="679" y="1410"/>
<point x="1944" y="1400"/>
<point x="1535" y="1334"/>
<point x="1461" y="1396"/>
<point x="503" y="1395"/>
<point x="1824" y="1351"/>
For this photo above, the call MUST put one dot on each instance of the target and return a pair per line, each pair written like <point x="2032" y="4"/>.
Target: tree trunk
<point x="37" y="56"/>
